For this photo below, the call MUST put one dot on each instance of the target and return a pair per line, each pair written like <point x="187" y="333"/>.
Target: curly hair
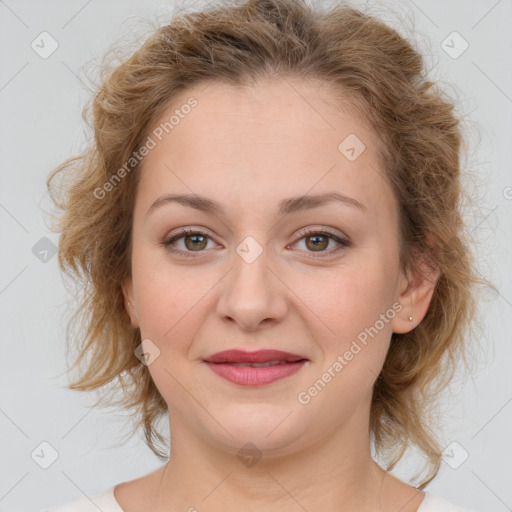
<point x="370" y="65"/>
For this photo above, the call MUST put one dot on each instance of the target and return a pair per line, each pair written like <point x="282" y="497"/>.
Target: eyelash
<point x="303" y="233"/>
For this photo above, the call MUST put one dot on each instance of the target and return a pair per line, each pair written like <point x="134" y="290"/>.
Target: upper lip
<point x="261" y="356"/>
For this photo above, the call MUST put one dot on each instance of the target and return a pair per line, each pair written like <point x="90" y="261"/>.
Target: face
<point x="264" y="271"/>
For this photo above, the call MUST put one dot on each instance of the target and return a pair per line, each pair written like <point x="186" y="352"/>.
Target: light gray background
<point x="40" y="108"/>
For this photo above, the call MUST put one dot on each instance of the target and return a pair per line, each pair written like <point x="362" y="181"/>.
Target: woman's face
<point x="249" y="277"/>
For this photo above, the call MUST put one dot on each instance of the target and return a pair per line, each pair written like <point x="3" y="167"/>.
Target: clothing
<point x="106" y="502"/>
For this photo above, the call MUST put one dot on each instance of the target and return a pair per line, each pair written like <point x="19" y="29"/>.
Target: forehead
<point x="260" y="143"/>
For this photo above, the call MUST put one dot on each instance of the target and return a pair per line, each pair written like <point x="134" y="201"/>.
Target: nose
<point x="253" y="293"/>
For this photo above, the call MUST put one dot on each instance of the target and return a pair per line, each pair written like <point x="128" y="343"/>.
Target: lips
<point x="261" y="358"/>
<point x="255" y="368"/>
<point x="253" y="376"/>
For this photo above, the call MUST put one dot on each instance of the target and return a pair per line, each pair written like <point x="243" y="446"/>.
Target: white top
<point x="106" y="502"/>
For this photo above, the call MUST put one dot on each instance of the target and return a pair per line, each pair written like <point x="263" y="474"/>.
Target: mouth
<point x="262" y="365"/>
<point x="258" y="359"/>
<point x="255" y="368"/>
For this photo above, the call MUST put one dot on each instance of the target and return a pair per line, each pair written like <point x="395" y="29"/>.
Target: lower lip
<point x="249" y="376"/>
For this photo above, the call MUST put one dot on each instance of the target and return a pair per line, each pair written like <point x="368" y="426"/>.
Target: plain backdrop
<point x="43" y="87"/>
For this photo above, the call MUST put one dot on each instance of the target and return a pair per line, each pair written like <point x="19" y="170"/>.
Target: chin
<point x="271" y="431"/>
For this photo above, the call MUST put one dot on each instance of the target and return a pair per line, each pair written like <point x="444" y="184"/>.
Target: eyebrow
<point x="286" y="206"/>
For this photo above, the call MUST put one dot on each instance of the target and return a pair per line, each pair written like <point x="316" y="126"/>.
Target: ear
<point x="129" y="302"/>
<point x="416" y="291"/>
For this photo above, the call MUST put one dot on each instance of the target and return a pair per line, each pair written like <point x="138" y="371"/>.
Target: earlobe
<point x="416" y="297"/>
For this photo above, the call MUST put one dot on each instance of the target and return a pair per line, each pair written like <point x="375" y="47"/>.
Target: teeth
<point x="260" y="365"/>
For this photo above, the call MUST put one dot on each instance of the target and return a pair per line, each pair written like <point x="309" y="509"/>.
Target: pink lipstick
<point x="254" y="368"/>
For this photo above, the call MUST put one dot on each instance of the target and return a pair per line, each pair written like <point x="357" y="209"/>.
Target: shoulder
<point x="104" y="501"/>
<point x="434" y="503"/>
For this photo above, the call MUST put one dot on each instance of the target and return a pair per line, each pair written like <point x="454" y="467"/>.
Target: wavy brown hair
<point x="366" y="63"/>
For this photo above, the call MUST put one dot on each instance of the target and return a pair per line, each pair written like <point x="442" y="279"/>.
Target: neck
<point x="332" y="474"/>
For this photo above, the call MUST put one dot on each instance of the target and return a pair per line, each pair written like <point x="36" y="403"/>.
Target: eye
<point x="317" y="241"/>
<point x="196" y="241"/>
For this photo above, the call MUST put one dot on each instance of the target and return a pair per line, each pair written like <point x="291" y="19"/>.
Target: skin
<point x="248" y="149"/>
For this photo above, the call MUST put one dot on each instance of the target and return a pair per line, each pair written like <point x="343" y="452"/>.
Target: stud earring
<point x="410" y="319"/>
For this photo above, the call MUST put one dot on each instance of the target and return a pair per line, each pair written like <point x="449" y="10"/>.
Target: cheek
<point x="354" y="304"/>
<point x="171" y="299"/>
<point x="167" y="307"/>
<point x="357" y="293"/>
